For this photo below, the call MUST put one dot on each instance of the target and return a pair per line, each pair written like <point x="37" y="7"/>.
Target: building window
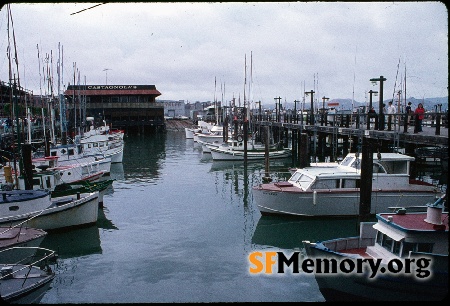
<point x="133" y="99"/>
<point x="115" y="100"/>
<point x="123" y="99"/>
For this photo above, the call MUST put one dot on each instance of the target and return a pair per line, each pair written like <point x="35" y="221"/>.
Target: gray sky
<point x="196" y="51"/>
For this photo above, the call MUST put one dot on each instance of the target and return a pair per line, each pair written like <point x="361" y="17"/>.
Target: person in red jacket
<point x="419" y="115"/>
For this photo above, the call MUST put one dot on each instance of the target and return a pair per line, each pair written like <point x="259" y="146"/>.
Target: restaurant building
<point x="129" y="107"/>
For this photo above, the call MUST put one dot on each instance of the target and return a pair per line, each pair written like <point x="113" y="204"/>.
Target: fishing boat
<point x="25" y="280"/>
<point x="395" y="239"/>
<point x="103" y="141"/>
<point x="215" y="134"/>
<point x="40" y="210"/>
<point x="74" y="188"/>
<point x="19" y="236"/>
<point x="254" y="152"/>
<point x="201" y="127"/>
<point x="334" y="188"/>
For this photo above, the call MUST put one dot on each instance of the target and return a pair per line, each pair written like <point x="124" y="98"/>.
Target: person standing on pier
<point x="408" y="111"/>
<point x="419" y="115"/>
<point x="390" y="111"/>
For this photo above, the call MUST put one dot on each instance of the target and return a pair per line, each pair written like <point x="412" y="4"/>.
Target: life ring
<point x="239" y="138"/>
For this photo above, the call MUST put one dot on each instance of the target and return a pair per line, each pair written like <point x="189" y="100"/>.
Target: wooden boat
<point x="41" y="211"/>
<point x="333" y="189"/>
<point x="254" y="152"/>
<point x="103" y="141"/>
<point x="74" y="188"/>
<point x="19" y="236"/>
<point x="25" y="280"/>
<point x="394" y="239"/>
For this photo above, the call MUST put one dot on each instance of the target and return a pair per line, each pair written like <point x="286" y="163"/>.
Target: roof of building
<point x="109" y="90"/>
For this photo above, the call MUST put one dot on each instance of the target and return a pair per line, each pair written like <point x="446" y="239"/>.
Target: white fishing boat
<point x="103" y="141"/>
<point x="393" y="240"/>
<point x="333" y="190"/>
<point x="25" y="280"/>
<point x="201" y="127"/>
<point x="41" y="211"/>
<point x="254" y="152"/>
<point x="215" y="134"/>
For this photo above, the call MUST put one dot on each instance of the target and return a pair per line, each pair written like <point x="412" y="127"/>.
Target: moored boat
<point x="49" y="213"/>
<point x="25" y="280"/>
<point x="255" y="151"/>
<point x="397" y="241"/>
<point x="19" y="236"/>
<point x="334" y="190"/>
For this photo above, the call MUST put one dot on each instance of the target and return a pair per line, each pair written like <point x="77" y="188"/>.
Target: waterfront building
<point x="129" y="107"/>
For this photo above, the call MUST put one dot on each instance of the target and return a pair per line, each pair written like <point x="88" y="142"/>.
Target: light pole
<point x="312" y="106"/>
<point x="381" y="79"/>
<point x="370" y="108"/>
<point x="106" y="70"/>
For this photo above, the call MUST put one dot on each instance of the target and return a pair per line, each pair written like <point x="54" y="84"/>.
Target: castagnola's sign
<point x="111" y="87"/>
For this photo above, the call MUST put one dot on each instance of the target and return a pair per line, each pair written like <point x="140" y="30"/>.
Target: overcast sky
<point x="196" y="51"/>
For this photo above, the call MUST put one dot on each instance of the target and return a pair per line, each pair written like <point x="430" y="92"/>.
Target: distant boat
<point x="394" y="237"/>
<point x="25" y="281"/>
<point x="201" y="127"/>
<point x="256" y="152"/>
<point x="333" y="189"/>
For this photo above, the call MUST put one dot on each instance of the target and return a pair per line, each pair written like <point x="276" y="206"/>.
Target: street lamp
<point x="106" y="70"/>
<point x="370" y="97"/>
<point x="312" y="106"/>
<point x="381" y="79"/>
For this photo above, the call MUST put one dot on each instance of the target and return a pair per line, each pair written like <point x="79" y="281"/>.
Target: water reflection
<point x="75" y="242"/>
<point x="142" y="159"/>
<point x="289" y="232"/>
<point x="103" y="222"/>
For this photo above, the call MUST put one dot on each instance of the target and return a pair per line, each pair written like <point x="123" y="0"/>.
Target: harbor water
<point x="178" y="227"/>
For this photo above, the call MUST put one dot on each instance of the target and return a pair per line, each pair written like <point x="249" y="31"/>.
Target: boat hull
<point x="218" y="154"/>
<point x="331" y="204"/>
<point x="385" y="287"/>
<point x="72" y="213"/>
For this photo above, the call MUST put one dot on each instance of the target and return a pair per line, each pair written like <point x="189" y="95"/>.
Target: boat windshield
<point x="351" y="161"/>
<point x="301" y="179"/>
<point x="347" y="161"/>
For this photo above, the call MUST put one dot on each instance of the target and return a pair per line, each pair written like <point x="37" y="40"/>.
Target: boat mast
<point x="62" y="105"/>
<point x="40" y="93"/>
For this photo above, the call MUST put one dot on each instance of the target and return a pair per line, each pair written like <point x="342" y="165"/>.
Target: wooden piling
<point x="366" y="181"/>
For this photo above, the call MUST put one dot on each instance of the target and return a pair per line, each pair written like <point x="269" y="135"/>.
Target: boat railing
<point x="37" y="259"/>
<point x="349" y="243"/>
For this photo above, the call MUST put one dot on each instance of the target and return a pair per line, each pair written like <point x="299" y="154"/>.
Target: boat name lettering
<point x="270" y="262"/>
<point x="270" y="193"/>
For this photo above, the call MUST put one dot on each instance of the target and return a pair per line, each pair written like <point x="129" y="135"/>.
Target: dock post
<point x="366" y="181"/>
<point x="27" y="166"/>
<point x="266" y="177"/>
<point x="303" y="145"/>
<point x="438" y="125"/>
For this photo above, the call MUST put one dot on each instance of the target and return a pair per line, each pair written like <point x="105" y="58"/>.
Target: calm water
<point x="178" y="227"/>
